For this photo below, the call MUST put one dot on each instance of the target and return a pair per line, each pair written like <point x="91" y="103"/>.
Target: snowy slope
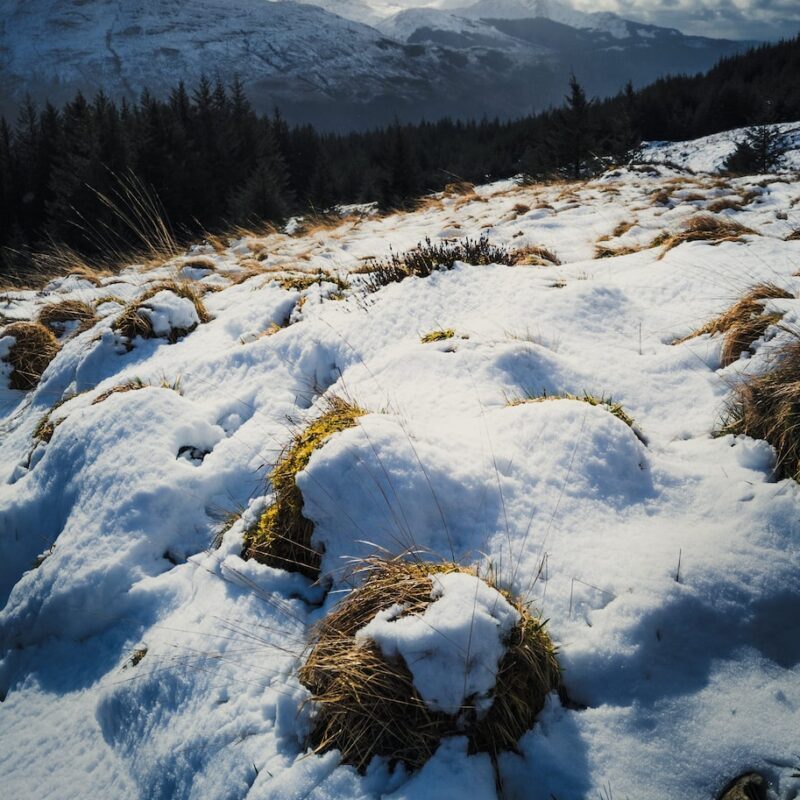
<point x="139" y="661"/>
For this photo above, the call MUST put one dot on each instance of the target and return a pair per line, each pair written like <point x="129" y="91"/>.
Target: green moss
<point x="438" y="336"/>
<point x="282" y="536"/>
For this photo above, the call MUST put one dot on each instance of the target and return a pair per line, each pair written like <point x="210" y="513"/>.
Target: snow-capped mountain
<point x="338" y="63"/>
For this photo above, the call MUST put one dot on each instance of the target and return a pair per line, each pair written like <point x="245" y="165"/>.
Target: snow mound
<point x="461" y="633"/>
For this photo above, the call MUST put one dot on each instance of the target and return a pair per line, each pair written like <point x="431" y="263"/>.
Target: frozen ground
<point x="139" y="661"/>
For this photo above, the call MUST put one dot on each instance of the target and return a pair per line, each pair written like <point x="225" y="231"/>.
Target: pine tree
<point x="575" y="126"/>
<point x="760" y="151"/>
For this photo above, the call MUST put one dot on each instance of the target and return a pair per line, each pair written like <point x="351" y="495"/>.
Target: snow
<point x="166" y="311"/>
<point x="139" y="660"/>
<point x="461" y="633"/>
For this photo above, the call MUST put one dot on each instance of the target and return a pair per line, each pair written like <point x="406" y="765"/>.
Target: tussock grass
<point x="703" y="228"/>
<point x="458" y="188"/>
<point x="767" y="406"/>
<point x="132" y="323"/>
<point x="199" y="262"/>
<point x="56" y="316"/>
<point x="303" y="280"/>
<point x="368" y="706"/>
<point x="534" y="256"/>
<point x="794" y="236"/>
<point x="282" y="536"/>
<point x="606" y="403"/>
<point x="34" y="348"/>
<point x="44" y="430"/>
<point x="606" y="251"/>
<point x="427" y="258"/>
<point x="134" y="385"/>
<point x="743" y="323"/>
<point x="438" y="335"/>
<point x="724" y="204"/>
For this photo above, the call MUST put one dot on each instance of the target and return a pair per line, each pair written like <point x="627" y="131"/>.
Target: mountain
<point x="323" y="63"/>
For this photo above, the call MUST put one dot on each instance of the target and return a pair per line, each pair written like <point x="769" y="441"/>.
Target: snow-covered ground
<point x="139" y="661"/>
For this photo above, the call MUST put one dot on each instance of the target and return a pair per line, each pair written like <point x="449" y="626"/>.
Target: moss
<point x="438" y="335"/>
<point x="282" y="536"/>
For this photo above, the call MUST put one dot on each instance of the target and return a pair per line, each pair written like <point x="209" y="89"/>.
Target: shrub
<point x="33" y="349"/>
<point x="367" y="704"/>
<point x="56" y="316"/>
<point x="767" y="406"/>
<point x="743" y="323"/>
<point x="427" y="258"/>
<point x="282" y="536"/>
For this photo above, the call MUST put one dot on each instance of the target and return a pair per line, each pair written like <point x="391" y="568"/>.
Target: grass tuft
<point x="703" y="228"/>
<point x="132" y="323"/>
<point x="282" y="536"/>
<point x="56" y="316"/>
<point x="367" y="705"/>
<point x="767" y="406"/>
<point x="534" y="256"/>
<point x="438" y="335"/>
<point x="743" y="323"/>
<point x="33" y="349"/>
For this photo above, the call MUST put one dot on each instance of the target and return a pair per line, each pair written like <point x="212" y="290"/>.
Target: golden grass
<point x="33" y="349"/>
<point x="132" y="323"/>
<point x="724" y="204"/>
<point x="282" y="536"/>
<point x="458" y="188"/>
<point x="55" y="316"/>
<point x="606" y="403"/>
<point x="606" y="251"/>
<point x="438" y="335"/>
<point x="367" y="705"/>
<point x="767" y="406"/>
<point x="134" y="385"/>
<point x="743" y="323"/>
<point x="44" y="430"/>
<point x="535" y="256"/>
<point x="703" y="228"/>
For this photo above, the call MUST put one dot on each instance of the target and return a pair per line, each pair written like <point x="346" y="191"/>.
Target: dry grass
<point x="56" y="316"/>
<point x="606" y="251"/>
<point x="703" y="228"/>
<point x="794" y="236"/>
<point x="367" y="705"/>
<point x="438" y="335"/>
<point x="33" y="349"/>
<point x="535" y="256"/>
<point x="743" y="323"/>
<point x="134" y="385"/>
<point x="724" y="204"/>
<point x="606" y="403"/>
<point x="767" y="407"/>
<point x="199" y="262"/>
<point x="457" y="188"/>
<point x="132" y="323"/>
<point x="45" y="429"/>
<point x="282" y="536"/>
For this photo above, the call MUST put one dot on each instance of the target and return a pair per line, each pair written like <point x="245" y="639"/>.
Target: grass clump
<point x="534" y="256"/>
<point x="600" y="401"/>
<point x="367" y="705"/>
<point x="282" y="536"/>
<point x="427" y="258"/>
<point x="767" y="406"/>
<point x="132" y="322"/>
<point x="135" y="385"/>
<point x="438" y="335"/>
<point x="704" y="228"/>
<point x="56" y="316"/>
<point x="744" y="322"/>
<point x="34" y="348"/>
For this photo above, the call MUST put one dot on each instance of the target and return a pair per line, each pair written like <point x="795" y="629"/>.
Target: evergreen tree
<point x="760" y="151"/>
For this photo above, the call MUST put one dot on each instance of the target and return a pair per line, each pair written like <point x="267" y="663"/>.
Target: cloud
<point x="731" y="19"/>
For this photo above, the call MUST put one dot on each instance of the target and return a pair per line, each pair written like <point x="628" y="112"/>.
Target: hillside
<point x="144" y="656"/>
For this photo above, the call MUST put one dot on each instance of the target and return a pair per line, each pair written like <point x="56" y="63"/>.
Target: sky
<point x="732" y="19"/>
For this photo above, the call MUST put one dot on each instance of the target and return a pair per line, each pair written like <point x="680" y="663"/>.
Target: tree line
<point x="212" y="162"/>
